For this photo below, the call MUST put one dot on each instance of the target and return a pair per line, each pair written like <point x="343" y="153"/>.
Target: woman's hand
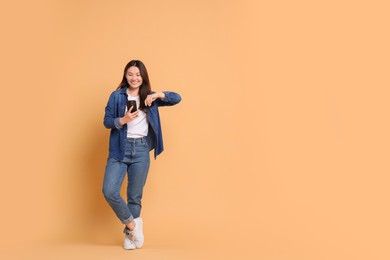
<point x="128" y="117"/>
<point x="152" y="97"/>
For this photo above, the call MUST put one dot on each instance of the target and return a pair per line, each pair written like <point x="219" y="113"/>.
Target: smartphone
<point x="132" y="103"/>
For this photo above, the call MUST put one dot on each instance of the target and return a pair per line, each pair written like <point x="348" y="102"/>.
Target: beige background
<point x="279" y="149"/>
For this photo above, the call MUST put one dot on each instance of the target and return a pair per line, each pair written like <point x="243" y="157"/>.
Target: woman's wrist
<point x="122" y="121"/>
<point x="161" y="94"/>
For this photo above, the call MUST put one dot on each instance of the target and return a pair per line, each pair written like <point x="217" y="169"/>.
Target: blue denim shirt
<point x="115" y="109"/>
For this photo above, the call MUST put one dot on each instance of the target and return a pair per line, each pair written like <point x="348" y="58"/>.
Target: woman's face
<point x="133" y="77"/>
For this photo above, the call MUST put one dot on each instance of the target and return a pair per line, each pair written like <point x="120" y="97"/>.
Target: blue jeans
<point x="136" y="163"/>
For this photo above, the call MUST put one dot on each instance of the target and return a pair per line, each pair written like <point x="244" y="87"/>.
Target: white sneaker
<point x="128" y="243"/>
<point x="138" y="234"/>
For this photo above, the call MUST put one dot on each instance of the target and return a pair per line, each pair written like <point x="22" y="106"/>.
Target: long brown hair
<point x="145" y="88"/>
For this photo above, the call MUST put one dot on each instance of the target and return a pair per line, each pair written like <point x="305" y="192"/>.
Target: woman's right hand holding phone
<point x="128" y="117"/>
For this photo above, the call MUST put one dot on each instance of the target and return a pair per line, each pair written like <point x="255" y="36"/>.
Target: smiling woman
<point x="280" y="151"/>
<point x="134" y="132"/>
<point x="136" y="79"/>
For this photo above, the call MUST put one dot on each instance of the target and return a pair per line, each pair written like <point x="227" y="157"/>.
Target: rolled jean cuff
<point x="127" y="221"/>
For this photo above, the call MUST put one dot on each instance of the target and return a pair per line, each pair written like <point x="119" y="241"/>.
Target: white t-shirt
<point x="139" y="126"/>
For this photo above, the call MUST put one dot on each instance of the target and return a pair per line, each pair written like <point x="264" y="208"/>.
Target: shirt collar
<point x="123" y="90"/>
